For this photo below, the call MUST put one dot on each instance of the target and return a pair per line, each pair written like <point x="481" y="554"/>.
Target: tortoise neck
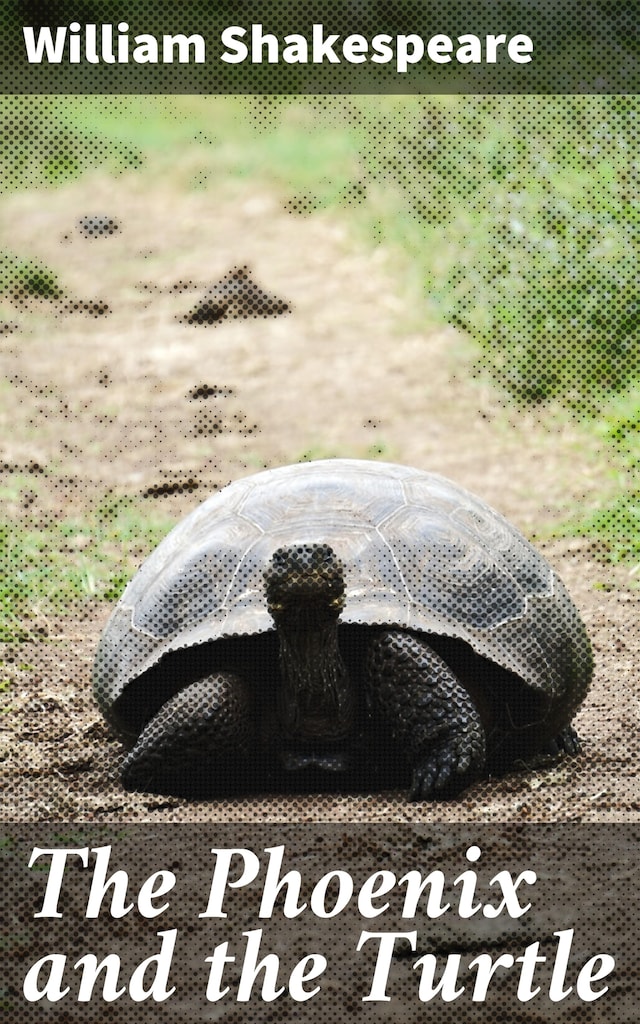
<point x="316" y="696"/>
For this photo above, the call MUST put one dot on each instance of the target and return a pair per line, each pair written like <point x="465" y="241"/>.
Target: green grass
<point x="617" y="525"/>
<point x="516" y="218"/>
<point x="45" y="143"/>
<point x="21" y="279"/>
<point x="521" y="218"/>
<point x="56" y="566"/>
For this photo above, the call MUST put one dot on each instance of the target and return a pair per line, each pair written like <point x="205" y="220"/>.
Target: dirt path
<point x="115" y="402"/>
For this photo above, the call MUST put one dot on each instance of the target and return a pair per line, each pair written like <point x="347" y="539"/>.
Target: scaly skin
<point x="431" y="715"/>
<point x="211" y="730"/>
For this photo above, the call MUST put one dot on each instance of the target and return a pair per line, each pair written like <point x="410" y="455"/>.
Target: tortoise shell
<point x="419" y="552"/>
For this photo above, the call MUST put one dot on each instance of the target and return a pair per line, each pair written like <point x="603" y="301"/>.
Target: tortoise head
<point x="305" y="585"/>
<point x="305" y="594"/>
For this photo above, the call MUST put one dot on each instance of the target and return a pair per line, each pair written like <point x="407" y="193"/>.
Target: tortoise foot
<point x="566" y="742"/>
<point x="429" y="712"/>
<point x="442" y="775"/>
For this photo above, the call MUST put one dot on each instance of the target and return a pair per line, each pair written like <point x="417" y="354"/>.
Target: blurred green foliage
<point x="515" y="218"/>
<point x="21" y="279"/>
<point x="44" y="144"/>
<point x="526" y="216"/>
<point x="52" y="566"/>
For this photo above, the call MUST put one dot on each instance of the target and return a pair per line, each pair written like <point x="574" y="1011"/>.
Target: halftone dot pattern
<point x="236" y="295"/>
<point x="235" y="567"/>
<point x="39" y="148"/>
<point x="330" y="48"/>
<point x="98" y="225"/>
<point x="496" y="923"/>
<point x="25" y="283"/>
<point x="163" y="445"/>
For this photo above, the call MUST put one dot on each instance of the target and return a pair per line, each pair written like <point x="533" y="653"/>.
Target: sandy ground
<point x="115" y="402"/>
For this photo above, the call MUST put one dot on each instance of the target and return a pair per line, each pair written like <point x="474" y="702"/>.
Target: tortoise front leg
<point x="431" y="715"/>
<point x="194" y="744"/>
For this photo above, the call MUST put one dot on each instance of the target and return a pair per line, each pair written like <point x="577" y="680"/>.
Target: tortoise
<point x="340" y="622"/>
